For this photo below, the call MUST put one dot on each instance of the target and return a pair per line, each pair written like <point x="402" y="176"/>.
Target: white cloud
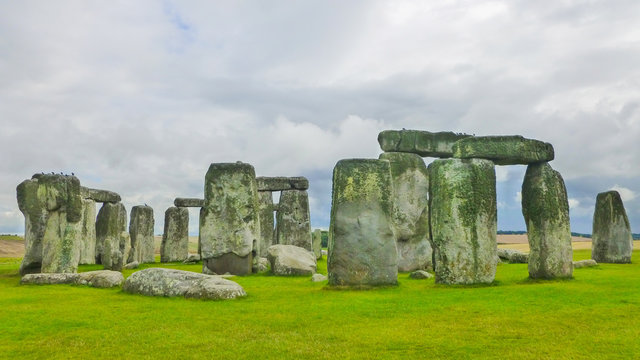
<point x="518" y="197"/>
<point x="573" y="203"/>
<point x="625" y="193"/>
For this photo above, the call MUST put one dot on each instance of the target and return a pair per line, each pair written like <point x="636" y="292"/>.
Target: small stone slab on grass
<point x="584" y="263"/>
<point x="98" y="279"/>
<point x="504" y="150"/>
<point x="420" y="274"/>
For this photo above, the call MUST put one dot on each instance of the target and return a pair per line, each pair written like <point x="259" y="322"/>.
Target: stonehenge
<point x="316" y="237"/>
<point x="611" y="236"/>
<point x="141" y="232"/>
<point x="175" y="238"/>
<point x="423" y="143"/>
<point x="112" y="237"/>
<point x="267" y="224"/>
<point x="293" y="225"/>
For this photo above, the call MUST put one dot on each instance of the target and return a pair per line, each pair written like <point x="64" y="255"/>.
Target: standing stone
<point x="229" y="224"/>
<point x="88" y="232"/>
<point x="362" y="246"/>
<point x="293" y="226"/>
<point x="265" y="208"/>
<point x="141" y="232"/>
<point x="410" y="210"/>
<point x="52" y="206"/>
<point x="463" y="220"/>
<point x="317" y="243"/>
<point x="175" y="239"/>
<point x="111" y="245"/>
<point x="611" y="240"/>
<point x="546" y="212"/>
<point x="423" y="143"/>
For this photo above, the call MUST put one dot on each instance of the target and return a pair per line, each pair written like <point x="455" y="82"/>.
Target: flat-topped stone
<point x="281" y="183"/>
<point x="611" y="240"/>
<point x="98" y="279"/>
<point x="188" y="202"/>
<point x="504" y="150"/>
<point x="423" y="143"/>
<point x="97" y="195"/>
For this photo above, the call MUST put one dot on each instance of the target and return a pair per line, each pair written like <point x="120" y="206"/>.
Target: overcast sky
<point x="139" y="97"/>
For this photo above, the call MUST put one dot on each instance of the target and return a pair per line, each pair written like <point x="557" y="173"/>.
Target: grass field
<point x="594" y="316"/>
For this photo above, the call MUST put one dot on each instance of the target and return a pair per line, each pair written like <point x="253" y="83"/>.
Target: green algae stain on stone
<point x="611" y="240"/>
<point x="423" y="143"/>
<point x="504" y="150"/>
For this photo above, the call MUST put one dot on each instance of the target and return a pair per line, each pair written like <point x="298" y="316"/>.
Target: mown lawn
<point x="594" y="316"/>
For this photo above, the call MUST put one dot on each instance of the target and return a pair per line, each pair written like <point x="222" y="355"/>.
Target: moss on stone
<point x="611" y="237"/>
<point x="423" y="143"/>
<point x="504" y="150"/>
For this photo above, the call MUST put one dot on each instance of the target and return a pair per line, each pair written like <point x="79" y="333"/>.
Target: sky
<point x="139" y="97"/>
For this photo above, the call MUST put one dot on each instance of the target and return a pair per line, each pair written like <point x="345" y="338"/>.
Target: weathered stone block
<point x="267" y="224"/>
<point x="410" y="210"/>
<point x="88" y="232"/>
<point x="111" y="244"/>
<point x="611" y="237"/>
<point x="293" y="226"/>
<point x="504" y="150"/>
<point x="175" y="239"/>
<point x="463" y="220"/>
<point x="423" y="143"/>
<point x="281" y="183"/>
<point x="141" y="225"/>
<point x="546" y="213"/>
<point x="288" y="260"/>
<point x="362" y="246"/>
<point x="316" y="237"/>
<point x="188" y="202"/>
<point x="101" y="196"/>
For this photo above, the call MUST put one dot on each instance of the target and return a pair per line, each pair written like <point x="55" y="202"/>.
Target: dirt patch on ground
<point x="11" y="248"/>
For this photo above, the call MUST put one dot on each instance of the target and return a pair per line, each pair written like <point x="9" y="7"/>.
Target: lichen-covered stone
<point x="463" y="220"/>
<point x="288" y="260"/>
<point x="170" y="282"/>
<point x="260" y="265"/>
<point x="229" y="222"/>
<point x="316" y="237"/>
<point x="175" y="239"/>
<point x="141" y="225"/>
<point x="362" y="245"/>
<point x="410" y="210"/>
<point x="88" y="232"/>
<point x="420" y="275"/>
<point x="318" y="278"/>
<point x="513" y="256"/>
<point x="98" y="279"/>
<point x="111" y="244"/>
<point x="584" y="263"/>
<point x="293" y="226"/>
<point x="192" y="259"/>
<point x="423" y="143"/>
<point x="188" y="202"/>
<point x="101" y="196"/>
<point x="546" y="213"/>
<point x="504" y="150"/>
<point x="267" y="224"/>
<point x="611" y="240"/>
<point x="281" y="183"/>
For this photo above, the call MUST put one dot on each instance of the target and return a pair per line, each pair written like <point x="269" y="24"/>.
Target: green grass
<point x="594" y="316"/>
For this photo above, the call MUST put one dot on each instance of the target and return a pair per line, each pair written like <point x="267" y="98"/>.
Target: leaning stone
<point x="110" y="245"/>
<point x="513" y="256"/>
<point x="100" y="278"/>
<point x="170" y="282"/>
<point x="423" y="143"/>
<point x="293" y="225"/>
<point x="281" y="183"/>
<point x="546" y="213"/>
<point x="420" y="274"/>
<point x="260" y="265"/>
<point x="188" y="202"/>
<point x="504" y="150"/>
<point x="463" y="220"/>
<point x="611" y="240"/>
<point x="291" y="260"/>
<point x="317" y="243"/>
<point x="584" y="263"/>
<point x="410" y="210"/>
<point x="141" y="232"/>
<point x="131" y="265"/>
<point x="88" y="232"/>
<point x="102" y="196"/>
<point x="192" y="259"/>
<point x="318" y="278"/>
<point x="362" y="246"/>
<point x="267" y="225"/>
<point x="229" y="223"/>
<point x="175" y="239"/>
<point x="48" y="278"/>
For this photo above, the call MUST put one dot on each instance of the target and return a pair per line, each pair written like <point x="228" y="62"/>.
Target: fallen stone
<point x="293" y="225"/>
<point x="170" y="282"/>
<point x="410" y="210"/>
<point x="504" y="150"/>
<point x="141" y="233"/>
<point x="513" y="256"/>
<point x="281" y="183"/>
<point x="611" y="240"/>
<point x="48" y="278"/>
<point x="111" y="245"/>
<point x="192" y="259"/>
<point x="267" y="224"/>
<point x="131" y="265"/>
<point x="316" y="237"/>
<point x="463" y="220"/>
<point x="546" y="213"/>
<point x="175" y="239"/>
<point x="291" y="260"/>
<point x="584" y="263"/>
<point x="362" y="246"/>
<point x="101" y="196"/>
<point x="260" y="265"/>
<point x="423" y="143"/>
<point x="188" y="202"/>
<point x="318" y="278"/>
<point x="420" y="274"/>
<point x="98" y="279"/>
<point x="88" y="232"/>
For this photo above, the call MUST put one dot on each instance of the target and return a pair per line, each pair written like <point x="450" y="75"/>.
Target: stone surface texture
<point x="293" y="224"/>
<point x="513" y="256"/>
<point x="410" y="210"/>
<point x="88" y="232"/>
<point x="420" y="274"/>
<point x="288" y="260"/>
<point x="98" y="279"/>
<point x="267" y="223"/>
<point x="170" y="282"/>
<point x="423" y="143"/>
<point x="141" y="225"/>
<point x="546" y="213"/>
<point x="316" y="238"/>
<point x="188" y="202"/>
<point x="504" y="150"/>
<point x="612" y="241"/>
<point x="281" y="183"/>
<point x="362" y="245"/>
<point x="175" y="239"/>
<point x="463" y="209"/>
<point x="584" y="263"/>
<point x="101" y="196"/>
<point x="111" y="245"/>
<point x="318" y="278"/>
